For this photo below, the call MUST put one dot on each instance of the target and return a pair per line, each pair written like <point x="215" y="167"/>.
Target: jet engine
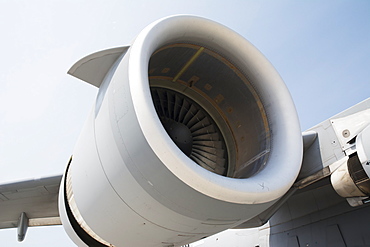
<point x="193" y="132"/>
<point x="351" y="179"/>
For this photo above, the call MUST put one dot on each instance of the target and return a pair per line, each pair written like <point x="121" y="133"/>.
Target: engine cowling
<point x="351" y="179"/>
<point x="193" y="132"/>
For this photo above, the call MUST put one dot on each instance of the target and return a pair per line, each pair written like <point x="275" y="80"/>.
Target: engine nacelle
<point x="193" y="132"/>
<point x="351" y="179"/>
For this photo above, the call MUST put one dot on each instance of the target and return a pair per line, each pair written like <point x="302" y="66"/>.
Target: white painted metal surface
<point x="363" y="148"/>
<point x="131" y="185"/>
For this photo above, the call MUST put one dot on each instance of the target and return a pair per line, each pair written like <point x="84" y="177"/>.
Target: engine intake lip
<point x="285" y="155"/>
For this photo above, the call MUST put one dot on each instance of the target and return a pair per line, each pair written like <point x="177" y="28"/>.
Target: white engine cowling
<point x="193" y="132"/>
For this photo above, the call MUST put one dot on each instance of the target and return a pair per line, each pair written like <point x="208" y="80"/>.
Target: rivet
<point x="346" y="133"/>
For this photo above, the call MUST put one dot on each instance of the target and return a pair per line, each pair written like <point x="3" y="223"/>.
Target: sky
<point x="320" y="48"/>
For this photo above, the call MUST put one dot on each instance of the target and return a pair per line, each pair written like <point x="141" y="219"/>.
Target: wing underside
<point x="37" y="198"/>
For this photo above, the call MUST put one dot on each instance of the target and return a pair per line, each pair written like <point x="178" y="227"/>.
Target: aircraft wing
<point x="38" y="198"/>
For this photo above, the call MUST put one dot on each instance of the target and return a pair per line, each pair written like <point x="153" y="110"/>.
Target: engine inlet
<point x="209" y="109"/>
<point x="191" y="129"/>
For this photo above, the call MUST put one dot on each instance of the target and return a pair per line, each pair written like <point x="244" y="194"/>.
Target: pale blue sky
<point x="320" y="48"/>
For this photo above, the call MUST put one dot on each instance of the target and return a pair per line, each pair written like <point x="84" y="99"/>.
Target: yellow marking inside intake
<point x="187" y="65"/>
